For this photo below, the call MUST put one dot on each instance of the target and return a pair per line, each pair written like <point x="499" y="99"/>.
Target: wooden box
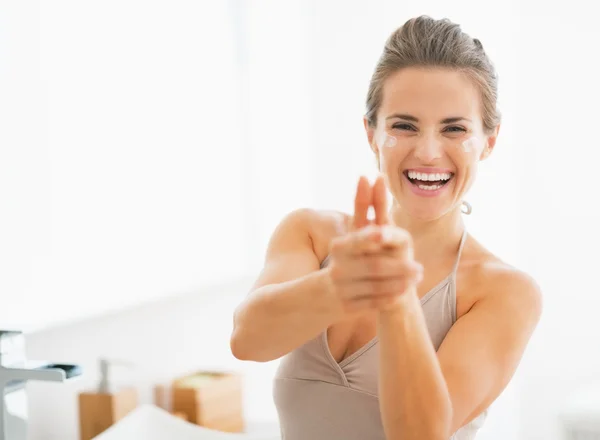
<point x="210" y="399"/>
<point x="99" y="411"/>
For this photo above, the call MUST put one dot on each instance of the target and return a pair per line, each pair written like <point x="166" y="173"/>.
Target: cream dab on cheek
<point x="384" y="140"/>
<point x="472" y="145"/>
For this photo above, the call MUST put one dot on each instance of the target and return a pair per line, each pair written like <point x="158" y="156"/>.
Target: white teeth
<point x="430" y="187"/>
<point x="429" y="176"/>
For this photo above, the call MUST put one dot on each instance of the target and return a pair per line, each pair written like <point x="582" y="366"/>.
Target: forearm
<point x="277" y="318"/>
<point x="414" y="398"/>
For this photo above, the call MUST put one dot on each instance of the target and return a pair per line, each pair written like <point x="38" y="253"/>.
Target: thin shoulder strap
<point x="460" y="248"/>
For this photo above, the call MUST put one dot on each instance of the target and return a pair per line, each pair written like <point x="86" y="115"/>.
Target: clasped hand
<point x="372" y="265"/>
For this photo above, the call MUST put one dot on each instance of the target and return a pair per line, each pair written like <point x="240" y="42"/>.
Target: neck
<point x="440" y="234"/>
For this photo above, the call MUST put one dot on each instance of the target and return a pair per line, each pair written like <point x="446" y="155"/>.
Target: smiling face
<point x="429" y="139"/>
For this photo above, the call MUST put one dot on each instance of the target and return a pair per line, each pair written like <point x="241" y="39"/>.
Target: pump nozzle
<point x="105" y="367"/>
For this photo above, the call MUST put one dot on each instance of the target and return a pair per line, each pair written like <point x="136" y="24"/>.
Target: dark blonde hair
<point x="426" y="42"/>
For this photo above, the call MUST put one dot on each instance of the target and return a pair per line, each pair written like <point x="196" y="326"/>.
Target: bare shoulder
<point x="298" y="245"/>
<point x="498" y="284"/>
<point x="323" y="226"/>
<point x="320" y="226"/>
<point x="516" y="291"/>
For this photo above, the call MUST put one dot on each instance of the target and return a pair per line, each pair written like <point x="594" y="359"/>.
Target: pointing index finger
<point x="362" y="201"/>
<point x="380" y="202"/>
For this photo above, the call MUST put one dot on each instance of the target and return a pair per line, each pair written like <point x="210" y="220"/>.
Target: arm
<point x="431" y="395"/>
<point x="291" y="302"/>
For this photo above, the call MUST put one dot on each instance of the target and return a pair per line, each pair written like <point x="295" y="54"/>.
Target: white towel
<point x="148" y="422"/>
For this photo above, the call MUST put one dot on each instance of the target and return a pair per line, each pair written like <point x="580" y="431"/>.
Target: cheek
<point x="466" y="153"/>
<point x="472" y="147"/>
<point x="392" y="149"/>
<point x="391" y="157"/>
<point x="385" y="141"/>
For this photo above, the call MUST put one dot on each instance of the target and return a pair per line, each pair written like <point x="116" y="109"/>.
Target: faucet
<point x="15" y="371"/>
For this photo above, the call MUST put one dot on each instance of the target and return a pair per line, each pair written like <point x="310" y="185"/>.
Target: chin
<point x="427" y="213"/>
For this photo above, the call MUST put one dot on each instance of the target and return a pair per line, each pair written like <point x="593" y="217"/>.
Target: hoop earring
<point x="466" y="208"/>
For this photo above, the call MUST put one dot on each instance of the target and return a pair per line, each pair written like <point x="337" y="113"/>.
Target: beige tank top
<point x="318" y="398"/>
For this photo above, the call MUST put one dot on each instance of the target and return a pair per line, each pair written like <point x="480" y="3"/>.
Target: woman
<point x="402" y="326"/>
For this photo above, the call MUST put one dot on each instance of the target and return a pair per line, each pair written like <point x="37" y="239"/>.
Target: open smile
<point x="428" y="184"/>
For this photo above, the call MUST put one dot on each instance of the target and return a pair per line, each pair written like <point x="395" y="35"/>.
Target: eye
<point x="456" y="129"/>
<point x="403" y="126"/>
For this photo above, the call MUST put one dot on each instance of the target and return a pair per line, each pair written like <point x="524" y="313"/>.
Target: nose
<point x="428" y="148"/>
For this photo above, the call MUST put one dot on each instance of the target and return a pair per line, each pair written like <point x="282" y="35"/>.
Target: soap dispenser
<point x="101" y="408"/>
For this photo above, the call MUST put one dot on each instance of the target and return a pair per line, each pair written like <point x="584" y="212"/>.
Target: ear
<point x="490" y="144"/>
<point x="370" y="136"/>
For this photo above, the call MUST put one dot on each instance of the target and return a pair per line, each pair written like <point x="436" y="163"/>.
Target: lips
<point x="428" y="180"/>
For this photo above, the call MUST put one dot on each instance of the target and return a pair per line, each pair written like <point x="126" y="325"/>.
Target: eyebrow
<point x="411" y="118"/>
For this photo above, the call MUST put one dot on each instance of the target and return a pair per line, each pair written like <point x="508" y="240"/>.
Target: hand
<point x="372" y="265"/>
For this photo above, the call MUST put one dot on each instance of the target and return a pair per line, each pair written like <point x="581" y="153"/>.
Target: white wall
<point x="559" y="215"/>
<point x="121" y="156"/>
<point x="277" y="105"/>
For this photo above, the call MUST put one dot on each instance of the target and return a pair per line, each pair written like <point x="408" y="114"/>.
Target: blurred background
<point x="149" y="148"/>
